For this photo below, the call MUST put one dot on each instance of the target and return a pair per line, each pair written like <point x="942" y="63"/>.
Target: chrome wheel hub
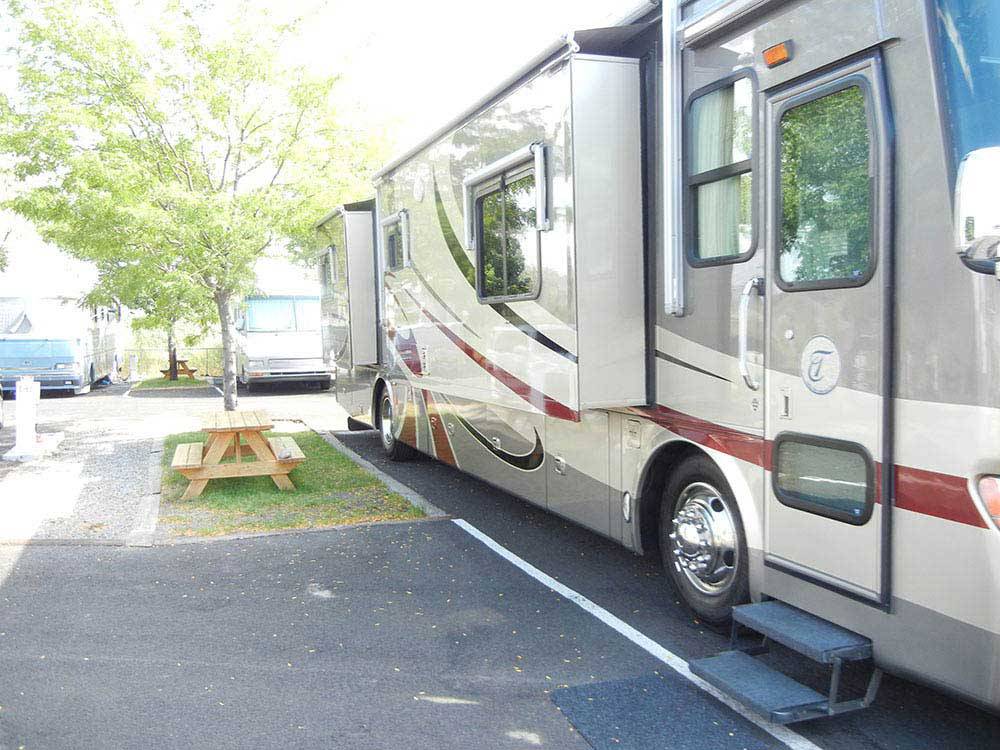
<point x="704" y="541"/>
<point x="385" y="421"/>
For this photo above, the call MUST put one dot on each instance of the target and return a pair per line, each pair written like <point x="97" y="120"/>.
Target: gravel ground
<point x="92" y="488"/>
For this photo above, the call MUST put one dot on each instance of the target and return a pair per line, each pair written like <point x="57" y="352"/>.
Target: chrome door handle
<point x="754" y="284"/>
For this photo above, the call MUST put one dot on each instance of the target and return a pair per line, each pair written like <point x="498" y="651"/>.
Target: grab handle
<point x="754" y="284"/>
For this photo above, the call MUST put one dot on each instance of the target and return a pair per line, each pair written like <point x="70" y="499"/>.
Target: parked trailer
<point x="62" y="345"/>
<point x="278" y="340"/>
<point x="722" y="283"/>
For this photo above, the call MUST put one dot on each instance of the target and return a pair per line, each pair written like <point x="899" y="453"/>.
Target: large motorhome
<point x="278" y="340"/>
<point x="62" y="345"/>
<point x="720" y="282"/>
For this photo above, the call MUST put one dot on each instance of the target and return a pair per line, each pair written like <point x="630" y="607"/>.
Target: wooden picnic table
<point x="182" y="369"/>
<point x="229" y="433"/>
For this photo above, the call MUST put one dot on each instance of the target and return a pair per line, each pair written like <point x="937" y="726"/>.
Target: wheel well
<point x="380" y="385"/>
<point x="655" y="476"/>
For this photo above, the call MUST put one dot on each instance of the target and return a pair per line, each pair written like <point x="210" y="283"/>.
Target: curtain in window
<point x="718" y="203"/>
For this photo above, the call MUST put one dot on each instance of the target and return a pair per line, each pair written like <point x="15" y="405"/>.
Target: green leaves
<point x="169" y="151"/>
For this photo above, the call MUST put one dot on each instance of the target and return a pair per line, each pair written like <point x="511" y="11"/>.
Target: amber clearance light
<point x="778" y="54"/>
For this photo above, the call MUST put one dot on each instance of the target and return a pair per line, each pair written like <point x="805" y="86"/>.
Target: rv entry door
<point x="828" y="333"/>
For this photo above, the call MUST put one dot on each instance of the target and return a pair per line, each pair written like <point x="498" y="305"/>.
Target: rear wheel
<point x="702" y="542"/>
<point x="394" y="448"/>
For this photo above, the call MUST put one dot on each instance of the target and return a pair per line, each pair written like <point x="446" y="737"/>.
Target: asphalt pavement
<point x="905" y="715"/>
<point x="406" y="635"/>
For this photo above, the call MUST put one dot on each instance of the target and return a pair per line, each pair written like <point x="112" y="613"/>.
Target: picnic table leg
<point x="217" y="444"/>
<point x="263" y="452"/>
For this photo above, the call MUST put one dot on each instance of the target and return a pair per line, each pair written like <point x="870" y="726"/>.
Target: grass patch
<point x="181" y="382"/>
<point x="330" y="490"/>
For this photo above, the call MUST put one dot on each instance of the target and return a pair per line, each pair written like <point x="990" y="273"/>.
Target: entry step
<point x="811" y="636"/>
<point x="768" y="692"/>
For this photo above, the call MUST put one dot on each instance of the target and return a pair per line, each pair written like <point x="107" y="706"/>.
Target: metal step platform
<point x="773" y="694"/>
<point x="800" y="631"/>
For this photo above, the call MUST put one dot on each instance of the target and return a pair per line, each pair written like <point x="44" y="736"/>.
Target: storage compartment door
<point x="363" y="309"/>
<point x="577" y="469"/>
<point x="607" y="212"/>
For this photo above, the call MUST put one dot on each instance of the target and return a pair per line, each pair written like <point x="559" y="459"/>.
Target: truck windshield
<point x="28" y="349"/>
<point x="282" y="314"/>
<point x="969" y="45"/>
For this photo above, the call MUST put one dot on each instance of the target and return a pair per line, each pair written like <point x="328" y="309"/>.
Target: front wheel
<point x="702" y="542"/>
<point x="395" y="449"/>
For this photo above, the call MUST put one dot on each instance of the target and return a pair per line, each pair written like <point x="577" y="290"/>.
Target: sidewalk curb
<point x="172" y="541"/>
<point x="149" y="510"/>
<point x="411" y="495"/>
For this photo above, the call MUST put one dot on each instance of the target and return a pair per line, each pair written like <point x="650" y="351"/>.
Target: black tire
<point x="395" y="449"/>
<point x="702" y="542"/>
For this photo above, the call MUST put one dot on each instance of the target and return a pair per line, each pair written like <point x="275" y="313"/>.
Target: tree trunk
<point x="222" y="302"/>
<point x="171" y="355"/>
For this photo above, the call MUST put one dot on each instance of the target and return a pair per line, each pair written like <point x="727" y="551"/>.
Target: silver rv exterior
<point x="718" y="311"/>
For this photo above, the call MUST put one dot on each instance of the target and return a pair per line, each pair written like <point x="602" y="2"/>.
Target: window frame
<point x="790" y="500"/>
<point x="401" y="218"/>
<point x="492" y="186"/>
<point x="851" y="80"/>
<point x="693" y="181"/>
<point x="528" y="161"/>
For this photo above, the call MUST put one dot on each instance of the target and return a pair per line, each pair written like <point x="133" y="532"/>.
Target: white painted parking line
<point x="792" y="739"/>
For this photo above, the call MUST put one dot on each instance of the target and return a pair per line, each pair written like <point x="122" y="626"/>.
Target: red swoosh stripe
<point x="926" y="492"/>
<point x="534" y="397"/>
<point x="442" y="444"/>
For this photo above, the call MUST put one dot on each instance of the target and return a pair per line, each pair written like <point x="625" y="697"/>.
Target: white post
<point x="25" y="418"/>
<point x="133" y="368"/>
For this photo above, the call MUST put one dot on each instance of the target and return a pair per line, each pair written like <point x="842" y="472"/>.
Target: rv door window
<point x="831" y="478"/>
<point x="507" y="249"/>
<point x="826" y="206"/>
<point x="720" y="176"/>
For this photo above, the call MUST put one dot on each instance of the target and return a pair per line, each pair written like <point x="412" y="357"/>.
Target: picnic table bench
<point x="229" y="433"/>
<point x="182" y="369"/>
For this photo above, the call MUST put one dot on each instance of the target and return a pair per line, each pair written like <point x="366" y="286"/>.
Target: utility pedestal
<point x="28" y="444"/>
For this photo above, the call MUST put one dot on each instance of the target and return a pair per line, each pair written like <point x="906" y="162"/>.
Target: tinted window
<point x="491" y="245"/>
<point x="394" y="245"/>
<point x="825" y="191"/>
<point x="827" y="477"/>
<point x="507" y="241"/>
<point x="719" y="169"/>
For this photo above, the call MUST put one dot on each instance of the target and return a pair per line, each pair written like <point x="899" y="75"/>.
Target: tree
<point x="165" y="301"/>
<point x="171" y="156"/>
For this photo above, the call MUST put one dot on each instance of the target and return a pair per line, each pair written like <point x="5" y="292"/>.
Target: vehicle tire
<point x="394" y="449"/>
<point x="702" y="543"/>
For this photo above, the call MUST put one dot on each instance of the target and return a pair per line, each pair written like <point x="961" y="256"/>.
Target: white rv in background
<point x="60" y="344"/>
<point x="279" y="341"/>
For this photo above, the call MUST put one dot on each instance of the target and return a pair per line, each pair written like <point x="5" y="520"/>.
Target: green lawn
<point x="331" y="490"/>
<point x="181" y="382"/>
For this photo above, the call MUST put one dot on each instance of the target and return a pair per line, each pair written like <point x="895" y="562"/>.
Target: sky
<point x="405" y="68"/>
